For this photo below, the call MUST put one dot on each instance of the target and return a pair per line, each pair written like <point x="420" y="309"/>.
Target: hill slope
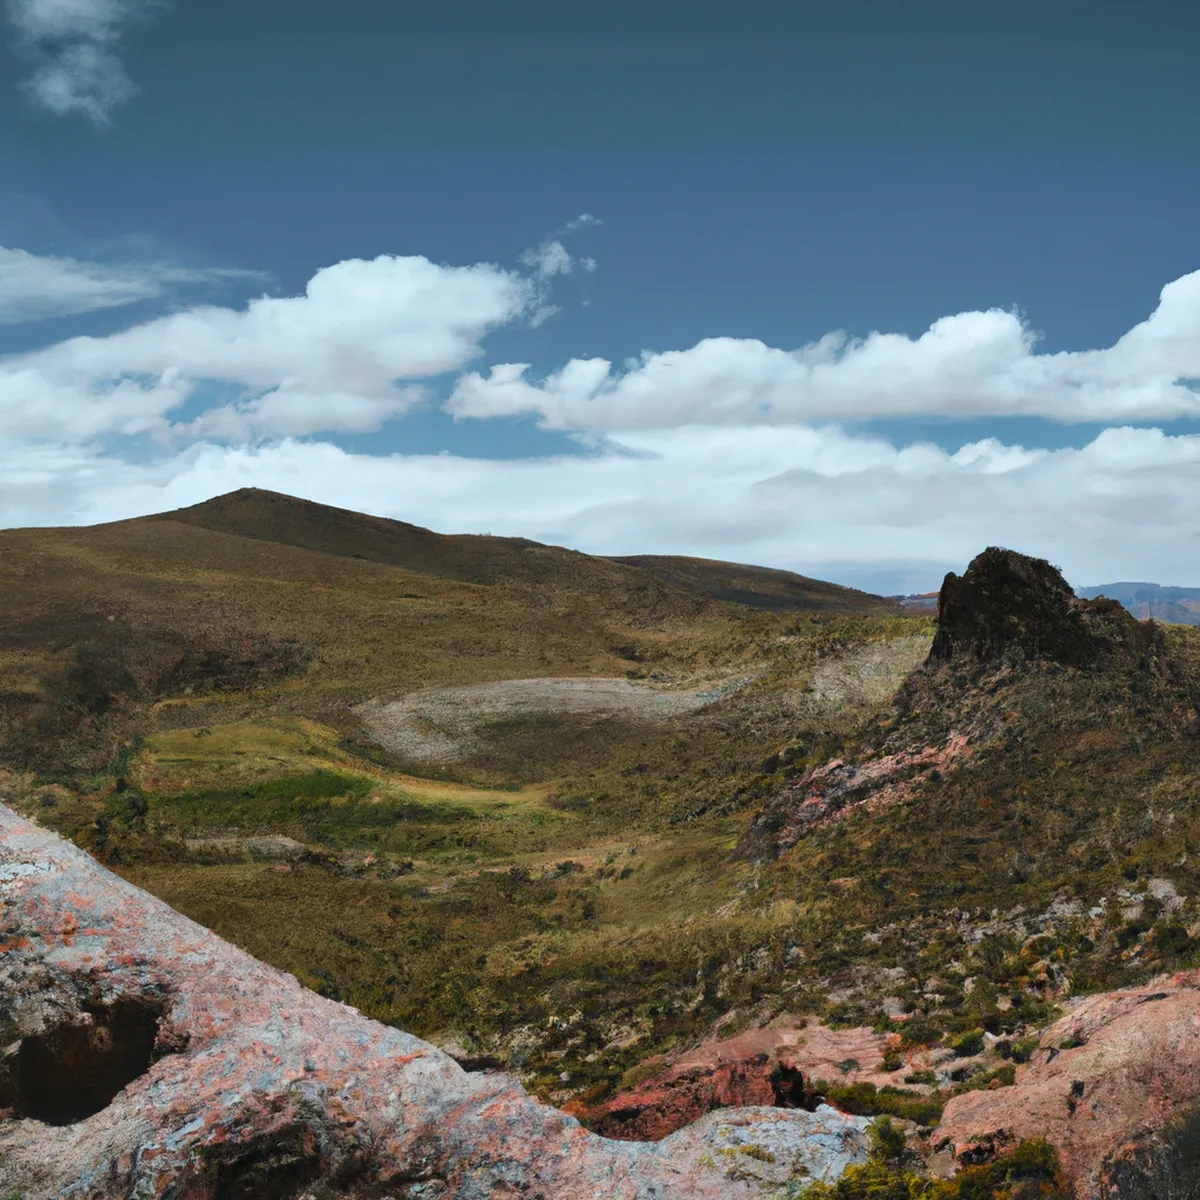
<point x="256" y="602"/>
<point x="1177" y="605"/>
<point x="761" y="587"/>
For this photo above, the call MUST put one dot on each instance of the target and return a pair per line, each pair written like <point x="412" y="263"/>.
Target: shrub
<point x="967" y="1045"/>
<point x="1030" y="1172"/>
<point x="865" y="1100"/>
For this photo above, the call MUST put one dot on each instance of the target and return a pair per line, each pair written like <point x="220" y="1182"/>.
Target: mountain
<point x="1178" y="605"/>
<point x="484" y="559"/>
<point x="256" y="592"/>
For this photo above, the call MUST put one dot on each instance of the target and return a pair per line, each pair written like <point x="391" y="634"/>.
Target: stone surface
<point x="144" y="1057"/>
<point x="774" y="1065"/>
<point x="1008" y="605"/>
<point x="1114" y="1086"/>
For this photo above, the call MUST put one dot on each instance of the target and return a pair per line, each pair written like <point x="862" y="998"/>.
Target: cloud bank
<point x="970" y="364"/>
<point x="74" y="47"/>
<point x="729" y="449"/>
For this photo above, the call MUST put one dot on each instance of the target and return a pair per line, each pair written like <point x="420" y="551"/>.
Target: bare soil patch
<point x="445" y="724"/>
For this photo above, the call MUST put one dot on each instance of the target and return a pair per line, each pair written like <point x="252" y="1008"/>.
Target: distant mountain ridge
<point x="1163" y="602"/>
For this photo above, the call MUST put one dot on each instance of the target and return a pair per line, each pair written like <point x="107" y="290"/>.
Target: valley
<point x="659" y="837"/>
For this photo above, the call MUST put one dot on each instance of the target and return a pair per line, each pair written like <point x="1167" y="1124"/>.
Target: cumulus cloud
<point x="970" y="364"/>
<point x="34" y="287"/>
<point x="724" y="449"/>
<point x="333" y="359"/>
<point x="817" y="500"/>
<point x="74" y="46"/>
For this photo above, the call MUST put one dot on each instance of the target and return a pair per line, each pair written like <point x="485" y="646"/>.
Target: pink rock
<point x="773" y="1065"/>
<point x="145" y="1057"/>
<point x="1113" y="1086"/>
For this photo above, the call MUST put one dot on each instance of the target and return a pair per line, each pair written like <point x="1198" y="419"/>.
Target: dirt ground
<point x="443" y="724"/>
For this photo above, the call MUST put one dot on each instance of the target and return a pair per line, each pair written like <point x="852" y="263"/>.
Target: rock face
<point x="145" y="1057"/>
<point x="1114" y="1086"/>
<point x="1007" y="605"/>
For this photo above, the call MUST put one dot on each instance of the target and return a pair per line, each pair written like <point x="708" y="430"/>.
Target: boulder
<point x="775" y="1065"/>
<point x="1113" y="1086"/>
<point x="143" y="1056"/>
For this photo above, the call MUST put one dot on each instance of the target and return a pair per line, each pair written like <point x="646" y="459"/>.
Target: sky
<point x="855" y="289"/>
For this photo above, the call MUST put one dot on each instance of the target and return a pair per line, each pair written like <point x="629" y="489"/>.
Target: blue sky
<point x="873" y="284"/>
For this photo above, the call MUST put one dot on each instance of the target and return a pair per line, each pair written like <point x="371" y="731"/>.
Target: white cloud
<point x="74" y="46"/>
<point x="34" y="287"/>
<point x="548" y="259"/>
<point x="327" y="360"/>
<point x="716" y="450"/>
<point x="971" y="364"/>
<point x="816" y="500"/>
<point x="583" y="221"/>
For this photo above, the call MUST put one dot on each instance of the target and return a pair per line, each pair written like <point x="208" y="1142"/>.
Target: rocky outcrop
<point x="1114" y="1086"/>
<point x="776" y="1065"/>
<point x="145" y="1057"/>
<point x="1008" y="606"/>
<point x="1005" y="619"/>
<point x="841" y="787"/>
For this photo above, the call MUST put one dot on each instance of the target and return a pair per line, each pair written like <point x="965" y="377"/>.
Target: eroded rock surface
<point x="774" y="1066"/>
<point x="1113" y="1086"/>
<point x="145" y="1057"/>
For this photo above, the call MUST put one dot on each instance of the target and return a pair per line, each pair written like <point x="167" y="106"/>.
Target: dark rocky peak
<point x="1008" y="606"/>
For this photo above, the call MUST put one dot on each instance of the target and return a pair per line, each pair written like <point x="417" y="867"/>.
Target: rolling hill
<point x="1177" y="605"/>
<point x="596" y="822"/>
<point x="257" y="600"/>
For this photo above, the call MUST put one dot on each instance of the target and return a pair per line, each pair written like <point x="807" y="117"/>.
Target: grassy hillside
<point x="997" y="827"/>
<point x="761" y="587"/>
<point x="257" y="602"/>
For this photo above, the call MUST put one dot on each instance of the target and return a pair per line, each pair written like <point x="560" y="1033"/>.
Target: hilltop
<point x="477" y="558"/>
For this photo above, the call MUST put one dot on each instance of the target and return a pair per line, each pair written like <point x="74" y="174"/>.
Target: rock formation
<point x="1113" y="1086"/>
<point x="1009" y="606"/>
<point x="145" y="1057"/>
<point x="1007" y="614"/>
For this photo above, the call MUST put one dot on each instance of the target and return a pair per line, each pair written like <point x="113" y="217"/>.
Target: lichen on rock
<point x="146" y="1057"/>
